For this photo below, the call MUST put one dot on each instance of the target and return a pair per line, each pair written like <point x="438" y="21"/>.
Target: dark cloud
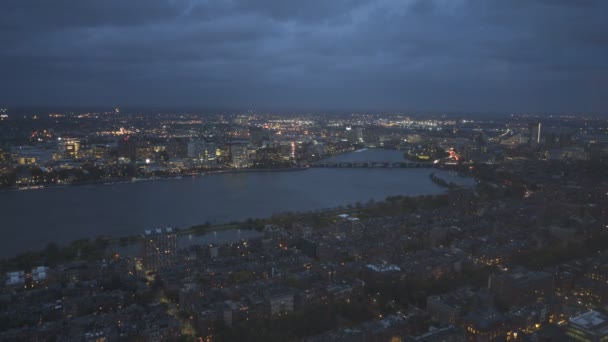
<point x="519" y="55"/>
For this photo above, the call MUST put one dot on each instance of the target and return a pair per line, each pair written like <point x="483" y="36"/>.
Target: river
<point x="32" y="219"/>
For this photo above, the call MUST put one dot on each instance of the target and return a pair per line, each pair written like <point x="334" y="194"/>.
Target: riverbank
<point x="88" y="249"/>
<point x="70" y="213"/>
<point x="283" y="169"/>
<point x="168" y="176"/>
<point x="443" y="183"/>
<point x="113" y="181"/>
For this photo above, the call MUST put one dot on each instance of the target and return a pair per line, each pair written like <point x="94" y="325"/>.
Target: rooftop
<point x="589" y="320"/>
<point x="158" y="231"/>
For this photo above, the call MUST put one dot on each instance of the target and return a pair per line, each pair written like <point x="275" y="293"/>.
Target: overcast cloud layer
<point x="452" y="55"/>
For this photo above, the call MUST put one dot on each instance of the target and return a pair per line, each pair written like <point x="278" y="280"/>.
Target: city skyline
<point x="458" y="56"/>
<point x="313" y="171"/>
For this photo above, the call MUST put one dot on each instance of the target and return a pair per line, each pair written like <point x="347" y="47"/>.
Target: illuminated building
<point x="210" y="152"/>
<point x="591" y="326"/>
<point x="201" y="151"/>
<point x="5" y="157"/>
<point x="27" y="155"/>
<point x="535" y="129"/>
<point x="241" y="120"/>
<point x="359" y="134"/>
<point x="273" y="156"/>
<point x="27" y="160"/>
<point x="159" y="248"/>
<point x="69" y="147"/>
<point x="100" y="151"/>
<point x="485" y="325"/>
<point x="238" y="155"/>
<point x="144" y="151"/>
<point x="354" y="135"/>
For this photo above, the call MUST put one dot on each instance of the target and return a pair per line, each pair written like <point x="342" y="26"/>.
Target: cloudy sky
<point x="381" y="55"/>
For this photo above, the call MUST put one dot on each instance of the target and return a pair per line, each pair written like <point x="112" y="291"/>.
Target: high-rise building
<point x="238" y="155"/>
<point x="535" y="129"/>
<point x="200" y="151"/>
<point x="69" y="147"/>
<point x="159" y="248"/>
<point x="359" y="134"/>
<point x="241" y="119"/>
<point x="127" y="147"/>
<point x="354" y="135"/>
<point x="177" y="148"/>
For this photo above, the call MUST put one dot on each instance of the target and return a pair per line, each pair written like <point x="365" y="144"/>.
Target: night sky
<point x="435" y="55"/>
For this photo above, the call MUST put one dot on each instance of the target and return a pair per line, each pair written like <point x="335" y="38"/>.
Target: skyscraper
<point x="69" y="147"/>
<point x="159" y="248"/>
<point x="535" y="133"/>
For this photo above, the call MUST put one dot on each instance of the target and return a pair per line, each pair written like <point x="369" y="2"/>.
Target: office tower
<point x="535" y="129"/>
<point x="159" y="248"/>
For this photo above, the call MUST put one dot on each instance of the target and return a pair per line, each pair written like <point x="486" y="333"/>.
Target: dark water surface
<point x="31" y="219"/>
